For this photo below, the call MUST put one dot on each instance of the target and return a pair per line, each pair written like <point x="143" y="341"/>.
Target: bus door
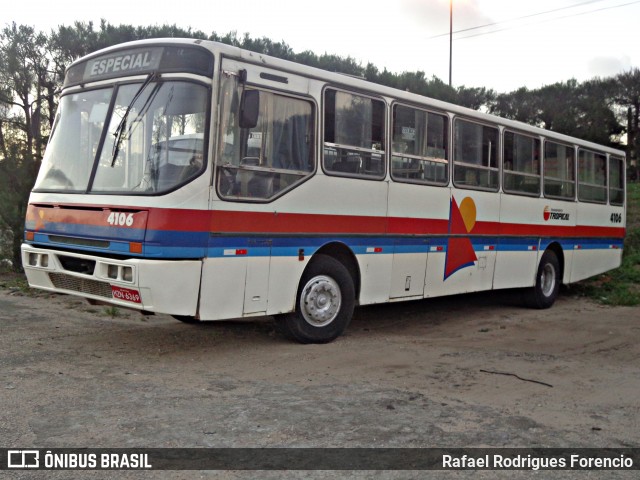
<point x="264" y="149"/>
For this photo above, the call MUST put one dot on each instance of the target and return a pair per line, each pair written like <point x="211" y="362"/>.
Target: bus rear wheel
<point x="324" y="303"/>
<point x="548" y="279"/>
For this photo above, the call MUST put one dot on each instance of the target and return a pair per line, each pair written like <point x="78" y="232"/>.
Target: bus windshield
<point x="146" y="140"/>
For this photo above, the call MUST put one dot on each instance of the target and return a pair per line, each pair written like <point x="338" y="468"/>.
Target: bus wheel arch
<point x="557" y="249"/>
<point x="548" y="279"/>
<point x="345" y="256"/>
<point x="325" y="299"/>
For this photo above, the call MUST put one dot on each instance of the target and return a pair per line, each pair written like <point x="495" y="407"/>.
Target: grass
<point x="14" y="282"/>
<point x="111" y="311"/>
<point x="622" y="285"/>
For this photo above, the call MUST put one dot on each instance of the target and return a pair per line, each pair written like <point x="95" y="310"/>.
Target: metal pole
<point x="450" y="38"/>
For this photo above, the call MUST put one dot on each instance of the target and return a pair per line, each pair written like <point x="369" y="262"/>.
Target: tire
<point x="186" y="318"/>
<point x="324" y="303"/>
<point x="548" y="279"/>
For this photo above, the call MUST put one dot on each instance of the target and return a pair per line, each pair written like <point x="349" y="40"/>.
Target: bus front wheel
<point x="548" y="279"/>
<point x="324" y="303"/>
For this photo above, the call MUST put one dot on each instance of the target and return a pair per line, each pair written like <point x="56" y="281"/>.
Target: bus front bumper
<point x="160" y="286"/>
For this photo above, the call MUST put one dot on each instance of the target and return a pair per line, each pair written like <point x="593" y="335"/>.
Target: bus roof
<point x="353" y="82"/>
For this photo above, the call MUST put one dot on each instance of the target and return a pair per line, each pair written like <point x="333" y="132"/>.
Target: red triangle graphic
<point x="460" y="251"/>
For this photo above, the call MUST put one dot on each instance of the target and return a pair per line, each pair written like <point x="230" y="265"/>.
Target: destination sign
<point x="124" y="63"/>
<point x="140" y="61"/>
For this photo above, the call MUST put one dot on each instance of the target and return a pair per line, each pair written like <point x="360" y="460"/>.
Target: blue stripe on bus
<point x="181" y="244"/>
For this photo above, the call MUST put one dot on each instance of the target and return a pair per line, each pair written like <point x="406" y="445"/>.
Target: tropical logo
<point x="554" y="214"/>
<point x="460" y="253"/>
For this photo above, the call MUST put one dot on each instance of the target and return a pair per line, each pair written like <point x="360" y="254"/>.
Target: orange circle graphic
<point x="468" y="212"/>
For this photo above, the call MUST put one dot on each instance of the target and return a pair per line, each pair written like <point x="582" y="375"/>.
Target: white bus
<point x="207" y="182"/>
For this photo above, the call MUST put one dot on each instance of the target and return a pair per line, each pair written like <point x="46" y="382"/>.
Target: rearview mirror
<point x="249" y="108"/>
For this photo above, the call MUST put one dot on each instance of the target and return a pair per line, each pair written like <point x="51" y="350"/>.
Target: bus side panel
<point x="375" y="269"/>
<point x="241" y="286"/>
<point x="417" y="212"/>
<point x="464" y="260"/>
<point x="175" y="285"/>
<point x="596" y="252"/>
<point x="256" y="288"/>
<point x="409" y="269"/>
<point x="222" y="291"/>
<point x="480" y="212"/>
<point x="348" y="208"/>
<point x="517" y="254"/>
<point x="526" y="229"/>
<point x="284" y="278"/>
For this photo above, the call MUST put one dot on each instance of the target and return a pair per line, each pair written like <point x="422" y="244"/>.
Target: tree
<point x="27" y="106"/>
<point x="521" y="105"/>
<point x="627" y="96"/>
<point x="579" y="110"/>
<point x="475" y="98"/>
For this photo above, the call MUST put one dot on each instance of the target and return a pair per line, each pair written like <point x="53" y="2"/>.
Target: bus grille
<point x="81" y="285"/>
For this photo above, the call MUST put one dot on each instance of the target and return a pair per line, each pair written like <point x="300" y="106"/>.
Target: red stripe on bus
<point x="102" y="216"/>
<point x="238" y="222"/>
<point x="274" y="222"/>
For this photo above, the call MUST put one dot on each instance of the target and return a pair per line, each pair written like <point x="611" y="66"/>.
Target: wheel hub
<point x="320" y="301"/>
<point x="548" y="279"/>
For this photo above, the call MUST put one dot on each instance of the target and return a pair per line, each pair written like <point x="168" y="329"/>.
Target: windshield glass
<point x="150" y="140"/>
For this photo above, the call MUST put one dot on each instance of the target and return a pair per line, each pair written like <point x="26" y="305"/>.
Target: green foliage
<point x="27" y="107"/>
<point x="621" y="286"/>
<point x="584" y="110"/>
<point x="111" y="311"/>
<point x="17" y="173"/>
<point x="618" y="287"/>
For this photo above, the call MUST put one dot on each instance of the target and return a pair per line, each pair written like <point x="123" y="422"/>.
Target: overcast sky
<point x="575" y="39"/>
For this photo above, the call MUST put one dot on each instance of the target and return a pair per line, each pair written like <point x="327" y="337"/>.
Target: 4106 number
<point x="120" y="219"/>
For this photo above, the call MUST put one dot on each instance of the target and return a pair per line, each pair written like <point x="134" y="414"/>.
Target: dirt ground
<point x="431" y="373"/>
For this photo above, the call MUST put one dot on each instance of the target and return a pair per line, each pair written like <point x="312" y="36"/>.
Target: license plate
<point x="126" y="294"/>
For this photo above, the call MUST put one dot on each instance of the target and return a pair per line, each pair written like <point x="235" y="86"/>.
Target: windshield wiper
<point x="119" y="133"/>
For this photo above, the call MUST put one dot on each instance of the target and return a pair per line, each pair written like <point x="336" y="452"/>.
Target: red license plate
<point x="126" y="294"/>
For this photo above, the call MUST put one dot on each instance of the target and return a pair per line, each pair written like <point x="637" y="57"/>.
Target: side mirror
<point x="249" y="108"/>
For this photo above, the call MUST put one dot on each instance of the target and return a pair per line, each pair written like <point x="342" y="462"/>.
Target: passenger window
<point x="592" y="177"/>
<point x="559" y="171"/>
<point x="419" y="151"/>
<point x="475" y="156"/>
<point x="353" y="135"/>
<point x="261" y="162"/>
<point x="616" y="181"/>
<point x="521" y="164"/>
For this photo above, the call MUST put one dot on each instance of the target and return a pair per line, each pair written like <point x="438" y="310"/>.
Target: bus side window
<point x="559" y="170"/>
<point x="521" y="164"/>
<point x="592" y="177"/>
<point x="353" y="135"/>
<point x="475" y="155"/>
<point x="616" y="180"/>
<point x="419" y="151"/>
